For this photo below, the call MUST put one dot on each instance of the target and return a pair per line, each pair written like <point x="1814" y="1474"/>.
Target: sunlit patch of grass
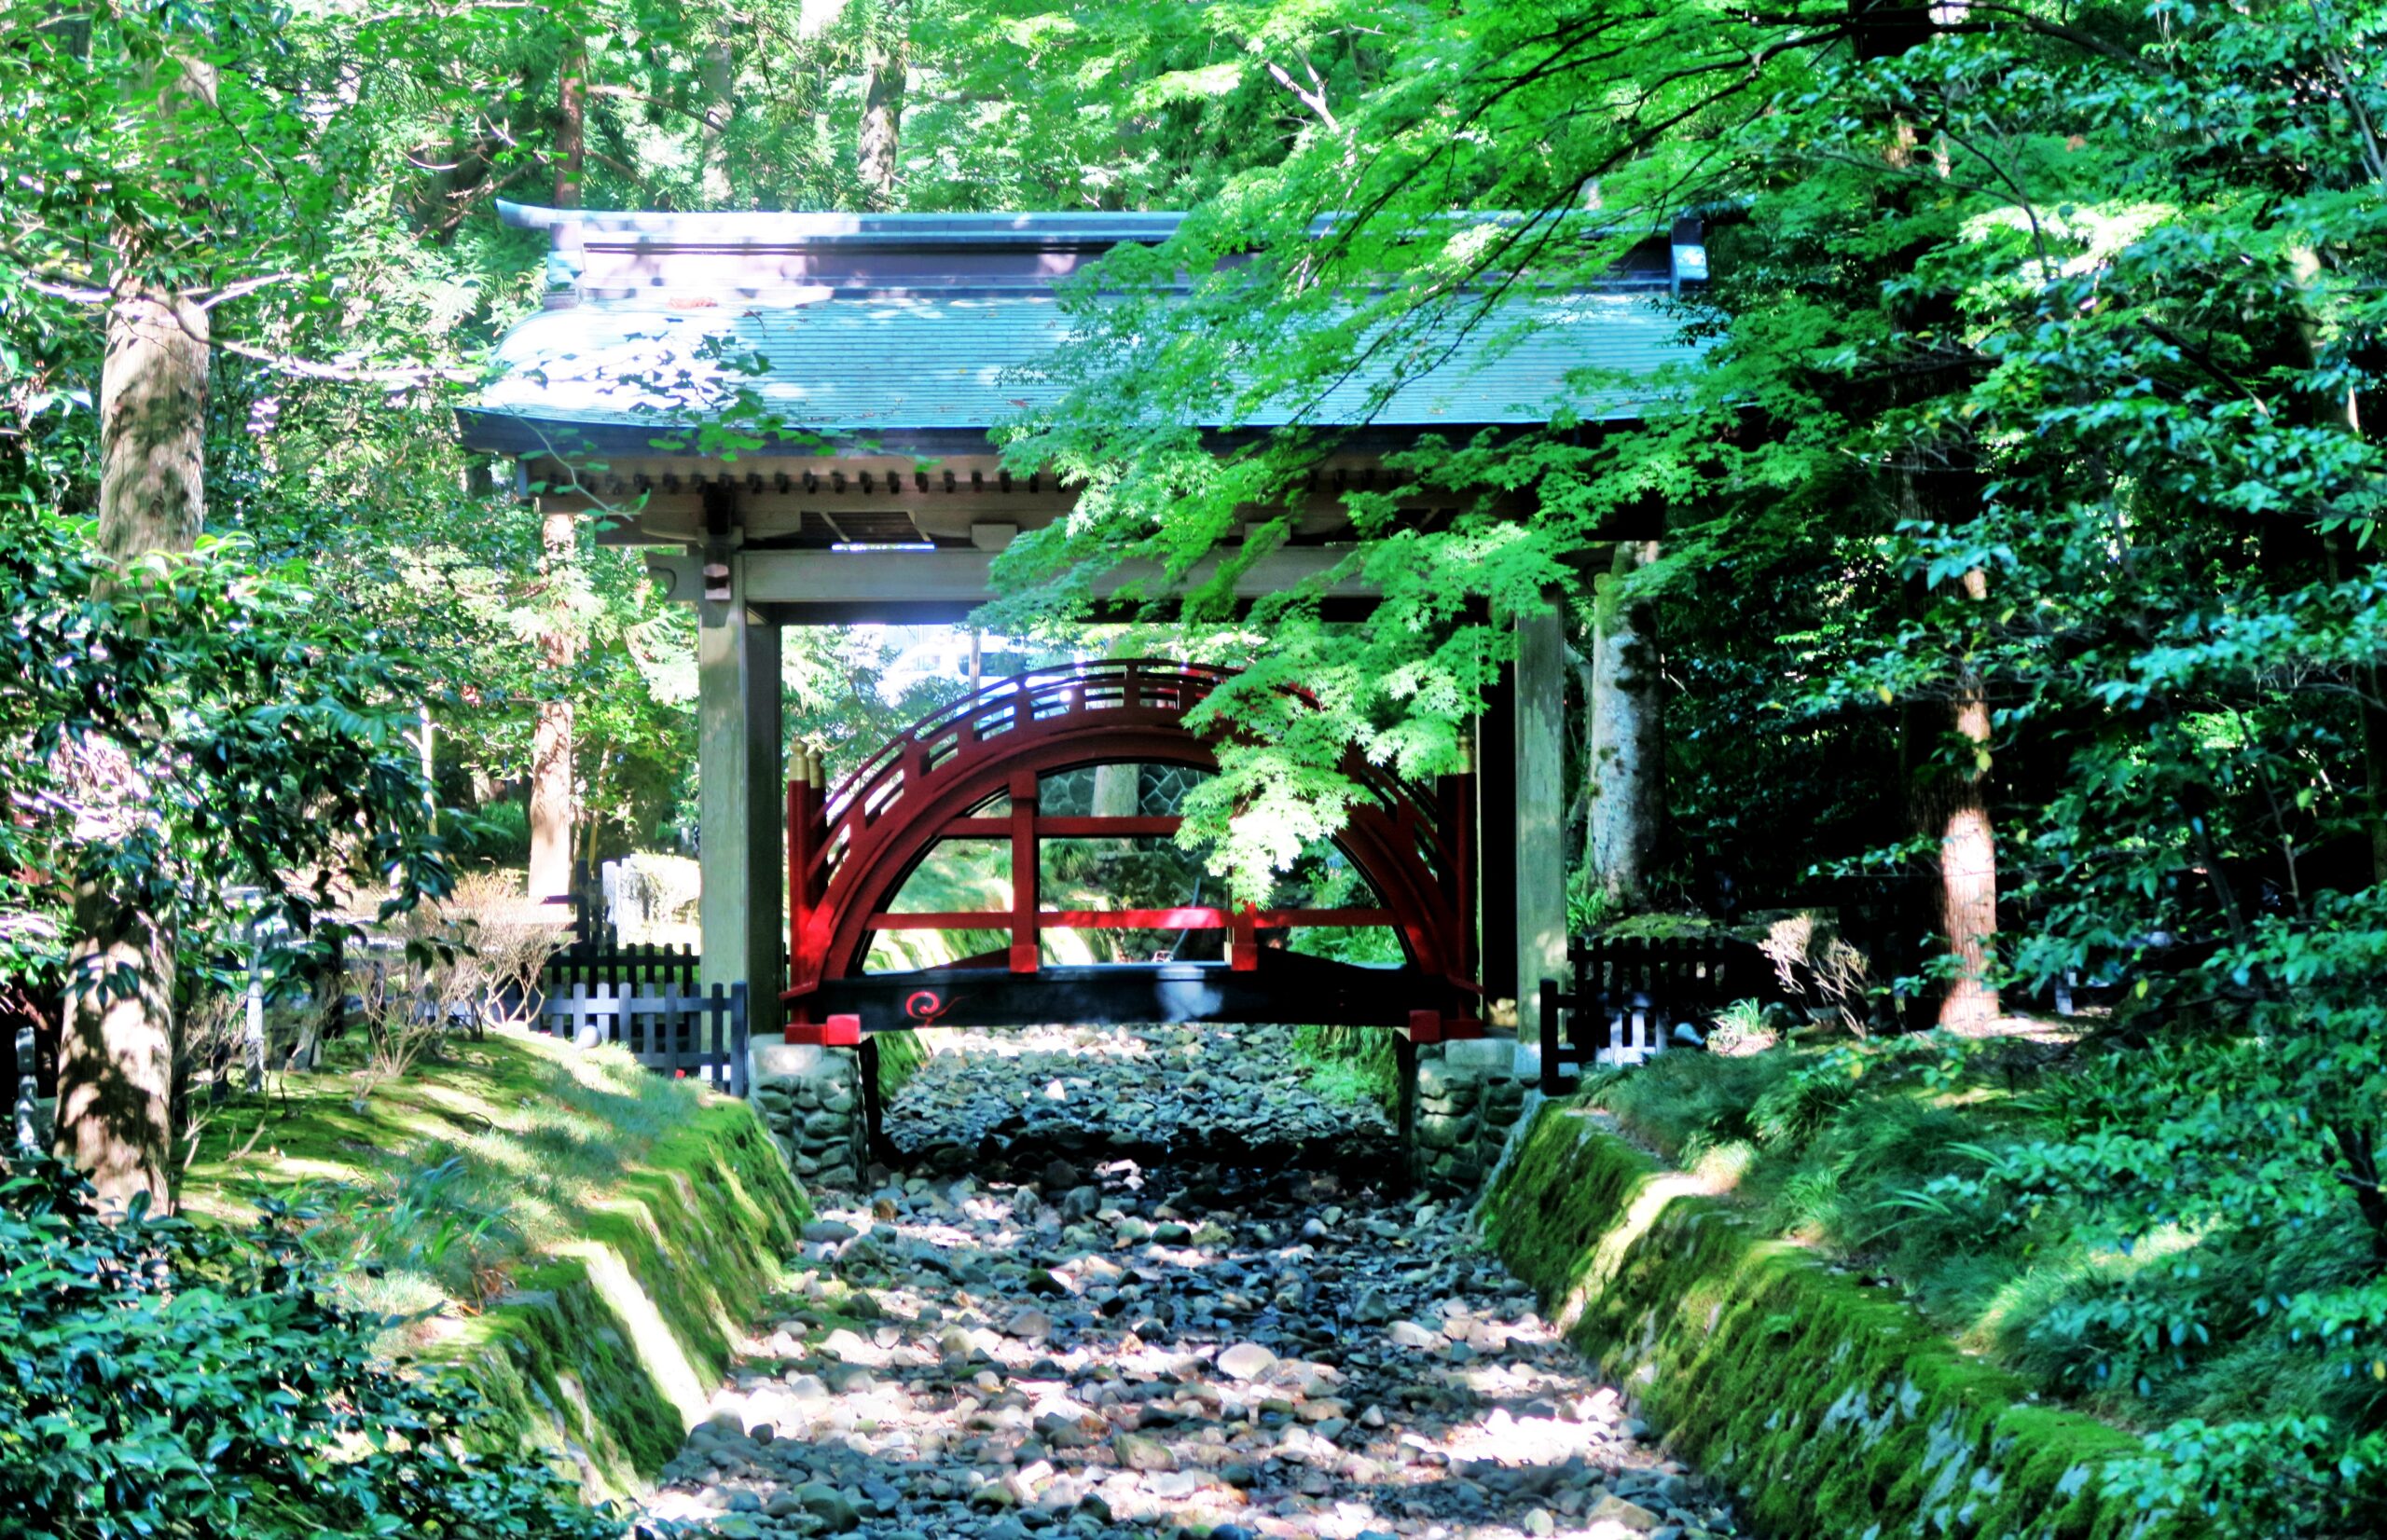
<point x="446" y="1181"/>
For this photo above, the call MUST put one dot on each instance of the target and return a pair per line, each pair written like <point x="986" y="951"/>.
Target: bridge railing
<point x="1002" y="706"/>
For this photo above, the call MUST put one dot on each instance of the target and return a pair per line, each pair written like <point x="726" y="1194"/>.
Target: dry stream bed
<point x="1151" y="1284"/>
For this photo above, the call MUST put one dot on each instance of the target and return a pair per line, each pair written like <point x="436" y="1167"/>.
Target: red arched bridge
<point x="973" y="771"/>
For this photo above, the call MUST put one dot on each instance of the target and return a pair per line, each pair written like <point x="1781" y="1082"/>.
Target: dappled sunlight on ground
<point x="1068" y="1338"/>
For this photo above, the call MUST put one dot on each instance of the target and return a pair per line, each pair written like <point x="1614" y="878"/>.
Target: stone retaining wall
<point x="811" y="1099"/>
<point x="1833" y="1409"/>
<point x="1468" y="1097"/>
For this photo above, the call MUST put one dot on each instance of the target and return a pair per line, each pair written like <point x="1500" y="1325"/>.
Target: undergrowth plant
<point x="169" y="1379"/>
<point x="2226" y="1305"/>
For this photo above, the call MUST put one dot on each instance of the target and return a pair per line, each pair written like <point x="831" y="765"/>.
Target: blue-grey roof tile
<point x="843" y="364"/>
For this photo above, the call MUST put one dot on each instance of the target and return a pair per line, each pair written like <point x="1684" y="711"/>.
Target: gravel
<point x="1144" y="1283"/>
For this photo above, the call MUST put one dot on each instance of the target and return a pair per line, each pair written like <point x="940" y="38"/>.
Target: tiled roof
<point x="841" y="364"/>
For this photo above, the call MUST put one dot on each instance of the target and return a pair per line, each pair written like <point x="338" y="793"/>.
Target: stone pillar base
<point x="1469" y="1095"/>
<point x="811" y="1100"/>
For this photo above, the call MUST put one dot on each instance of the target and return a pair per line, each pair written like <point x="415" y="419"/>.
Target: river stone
<point x="1140" y="1384"/>
<point x="1613" y="1509"/>
<point x="834" y="1509"/>
<point x="1136" y="1451"/>
<point x="1245" y="1361"/>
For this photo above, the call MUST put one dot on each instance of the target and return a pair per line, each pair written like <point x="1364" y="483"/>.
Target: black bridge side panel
<point x="1287" y="987"/>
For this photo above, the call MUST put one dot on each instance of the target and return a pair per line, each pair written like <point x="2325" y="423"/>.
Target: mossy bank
<point x="589" y="1240"/>
<point x="1833" y="1409"/>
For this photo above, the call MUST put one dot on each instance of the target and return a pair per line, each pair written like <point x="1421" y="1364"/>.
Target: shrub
<point x="498" y="834"/>
<point x="164" y="1379"/>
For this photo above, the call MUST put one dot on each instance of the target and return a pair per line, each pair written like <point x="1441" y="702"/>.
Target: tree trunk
<point x="1953" y="805"/>
<point x="886" y="60"/>
<point x="153" y="411"/>
<point x="1968" y="859"/>
<point x="1117" y="790"/>
<point x="550" y="876"/>
<point x="720" y="109"/>
<point x="1628" y="766"/>
<point x="116" y="1054"/>
<point x="551" y="811"/>
<point x="571" y="112"/>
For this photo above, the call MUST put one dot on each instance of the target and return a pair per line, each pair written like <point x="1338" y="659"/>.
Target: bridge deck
<point x="1285" y="986"/>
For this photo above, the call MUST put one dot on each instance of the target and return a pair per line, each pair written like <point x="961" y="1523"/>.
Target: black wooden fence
<point x="671" y="1030"/>
<point x="1631" y="992"/>
<point x="603" y="964"/>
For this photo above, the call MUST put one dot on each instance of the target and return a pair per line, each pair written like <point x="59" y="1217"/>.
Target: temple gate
<point x="879" y="351"/>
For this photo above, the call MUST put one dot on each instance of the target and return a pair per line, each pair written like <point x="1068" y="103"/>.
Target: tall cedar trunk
<point x="551" y="810"/>
<point x="550" y="876"/>
<point x="720" y="74"/>
<point x="1968" y="854"/>
<point x="1953" y="808"/>
<point x="885" y="61"/>
<point x="1627" y="773"/>
<point x="116" y="1054"/>
<point x="1945" y="761"/>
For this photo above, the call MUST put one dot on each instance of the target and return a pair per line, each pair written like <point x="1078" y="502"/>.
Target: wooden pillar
<point x="1539" y="723"/>
<point x="1496" y="854"/>
<point x="1027" y="945"/>
<point x="739" y="794"/>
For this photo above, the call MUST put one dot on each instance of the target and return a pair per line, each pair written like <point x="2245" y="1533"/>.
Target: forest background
<point x="2018" y="526"/>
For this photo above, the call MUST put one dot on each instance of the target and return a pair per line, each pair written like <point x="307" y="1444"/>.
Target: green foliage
<point x="2043" y="359"/>
<point x="498" y="834"/>
<point x="168" y="1380"/>
<point x="2180" y="1297"/>
<point x="205" y="726"/>
<point x="1354" y="1064"/>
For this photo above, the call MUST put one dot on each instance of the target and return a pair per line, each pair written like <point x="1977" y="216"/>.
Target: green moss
<point x="1358" y="1065"/>
<point x="607" y="1356"/>
<point x="563" y="1380"/>
<point x="640" y="1228"/>
<point x="900" y="1057"/>
<point x="1831" y="1408"/>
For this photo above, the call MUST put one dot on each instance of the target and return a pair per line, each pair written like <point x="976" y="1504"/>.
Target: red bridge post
<point x="1026" y="944"/>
